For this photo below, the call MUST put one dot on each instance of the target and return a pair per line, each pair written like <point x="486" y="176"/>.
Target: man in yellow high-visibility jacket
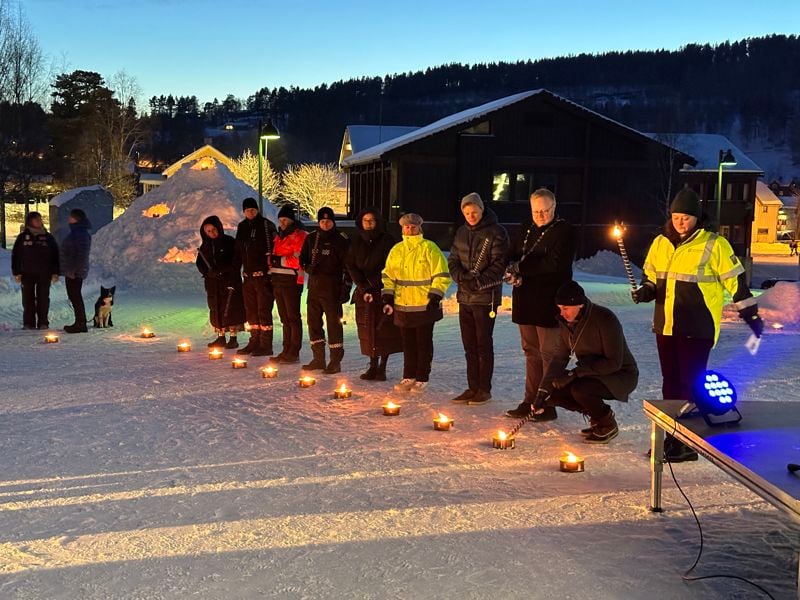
<point x="687" y="271"/>
<point x="415" y="279"/>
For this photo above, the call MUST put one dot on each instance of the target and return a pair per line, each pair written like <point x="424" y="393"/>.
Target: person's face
<point x="569" y="313"/>
<point x="210" y="231"/>
<point x="369" y="222"/>
<point x="36" y="222"/>
<point x="543" y="210"/>
<point x="682" y="223"/>
<point x="326" y="224"/>
<point x="411" y="229"/>
<point x="250" y="213"/>
<point x="472" y="213"/>
<point x="284" y="222"/>
<point x="71" y="219"/>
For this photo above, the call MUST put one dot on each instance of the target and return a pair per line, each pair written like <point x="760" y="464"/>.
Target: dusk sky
<point x="212" y="48"/>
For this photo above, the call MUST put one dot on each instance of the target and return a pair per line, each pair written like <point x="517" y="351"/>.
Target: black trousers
<point x="683" y="360"/>
<point x="258" y="301"/>
<point x="75" y="297"/>
<point x="476" y="336"/>
<point x="417" y="352"/>
<point x="35" y="300"/>
<point x="584" y="395"/>
<point x="318" y="305"/>
<point x="287" y="297"/>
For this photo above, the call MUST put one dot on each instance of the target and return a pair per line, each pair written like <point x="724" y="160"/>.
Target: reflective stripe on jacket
<point x="691" y="279"/>
<point x="414" y="268"/>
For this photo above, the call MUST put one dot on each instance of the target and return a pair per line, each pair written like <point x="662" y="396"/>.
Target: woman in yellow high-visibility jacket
<point x="687" y="271"/>
<point x="415" y="279"/>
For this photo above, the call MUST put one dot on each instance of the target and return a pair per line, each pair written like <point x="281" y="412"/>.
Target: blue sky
<point x="215" y="47"/>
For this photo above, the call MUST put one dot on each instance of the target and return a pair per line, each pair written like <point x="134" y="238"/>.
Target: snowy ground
<point x="132" y="471"/>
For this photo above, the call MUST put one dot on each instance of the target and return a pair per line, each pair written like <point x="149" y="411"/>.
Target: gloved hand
<point x="275" y="260"/>
<point x="540" y="401"/>
<point x="511" y="275"/>
<point x="434" y="302"/>
<point x="54" y="278"/>
<point x="18" y="278"/>
<point x="644" y="293"/>
<point x="344" y="294"/>
<point x="559" y="383"/>
<point x="756" y="323"/>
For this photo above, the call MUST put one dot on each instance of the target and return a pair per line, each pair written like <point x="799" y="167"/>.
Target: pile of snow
<point x="607" y="263"/>
<point x="153" y="244"/>
<point x="779" y="306"/>
<point x="6" y="280"/>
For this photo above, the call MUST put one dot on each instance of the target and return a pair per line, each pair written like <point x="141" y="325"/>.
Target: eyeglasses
<point x="544" y="212"/>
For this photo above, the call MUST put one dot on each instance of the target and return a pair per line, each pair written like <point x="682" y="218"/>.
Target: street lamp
<point x="266" y="132"/>
<point x="726" y="159"/>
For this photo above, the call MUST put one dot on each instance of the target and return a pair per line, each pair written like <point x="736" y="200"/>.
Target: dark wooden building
<point x="600" y="170"/>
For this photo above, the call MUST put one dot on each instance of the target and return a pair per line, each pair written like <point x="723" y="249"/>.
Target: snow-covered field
<point x="132" y="471"/>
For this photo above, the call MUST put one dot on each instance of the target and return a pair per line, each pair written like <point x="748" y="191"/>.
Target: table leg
<point x="656" y="466"/>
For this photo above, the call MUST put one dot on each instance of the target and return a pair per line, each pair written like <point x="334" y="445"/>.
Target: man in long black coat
<point x="35" y="265"/>
<point x="75" y="251"/>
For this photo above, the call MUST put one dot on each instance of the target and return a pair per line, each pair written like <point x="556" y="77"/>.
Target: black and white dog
<point x="102" y="308"/>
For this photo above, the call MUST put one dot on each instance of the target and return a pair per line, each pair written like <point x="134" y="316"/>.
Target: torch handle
<point x="627" y="262"/>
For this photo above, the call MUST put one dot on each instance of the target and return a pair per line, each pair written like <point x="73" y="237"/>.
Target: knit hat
<point x="687" y="202"/>
<point x="325" y="213"/>
<point x="472" y="198"/>
<point x="287" y="212"/>
<point x="249" y="203"/>
<point x="411" y="219"/>
<point x="570" y="294"/>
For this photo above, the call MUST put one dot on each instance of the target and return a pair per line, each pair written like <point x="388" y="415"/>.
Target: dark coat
<point x="323" y="259"/>
<point x="547" y="265"/>
<point x="254" y="241"/>
<point x="75" y="250"/>
<point x="218" y="262"/>
<point x="597" y="340"/>
<point x="478" y="259"/>
<point x="35" y="253"/>
<point x="377" y="334"/>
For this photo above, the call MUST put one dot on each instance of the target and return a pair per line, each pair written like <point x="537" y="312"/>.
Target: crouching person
<point x="605" y="368"/>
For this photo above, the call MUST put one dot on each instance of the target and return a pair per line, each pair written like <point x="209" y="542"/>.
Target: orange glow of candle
<point x="51" y="338"/>
<point x="184" y="347"/>
<point x="307" y="381"/>
<point x="148" y="333"/>
<point x="269" y="372"/>
<point x="390" y="409"/>
<point x="239" y="363"/>
<point x="617" y="231"/>
<point x="443" y="423"/>
<point x="215" y="354"/>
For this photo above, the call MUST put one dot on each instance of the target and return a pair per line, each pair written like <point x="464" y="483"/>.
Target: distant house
<point x="767" y="212"/>
<point x="95" y="200"/>
<point x="788" y="217"/>
<point x="360" y="137"/>
<point x="206" y="153"/>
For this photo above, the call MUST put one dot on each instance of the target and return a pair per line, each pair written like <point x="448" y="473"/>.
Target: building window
<point x="763" y="231"/>
<point x="765" y="209"/>
<point x="501" y="187"/>
<point x="729" y="192"/>
<point x="482" y="128"/>
<point x="745" y="192"/>
<point x="518" y="187"/>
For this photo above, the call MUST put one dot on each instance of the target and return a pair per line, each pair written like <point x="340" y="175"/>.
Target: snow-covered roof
<point x="766" y="196"/>
<point x="465" y="116"/>
<point x="705" y="147"/>
<point x="207" y="150"/>
<point x="367" y="136"/>
<point x="68" y="195"/>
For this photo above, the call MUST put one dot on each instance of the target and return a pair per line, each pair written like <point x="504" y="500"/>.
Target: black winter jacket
<point x="367" y="255"/>
<point x="546" y="255"/>
<point x="323" y="258"/>
<point x="254" y="241"/>
<point x="478" y="259"/>
<point x="218" y="262"/>
<point x="35" y="254"/>
<point x="75" y="250"/>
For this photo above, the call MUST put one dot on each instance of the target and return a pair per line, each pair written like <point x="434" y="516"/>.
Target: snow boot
<point x="264" y="347"/>
<point x="370" y="373"/>
<point x="318" y="361"/>
<point x="220" y="341"/>
<point x="76" y="328"/>
<point x="335" y="366"/>
<point x="464" y="397"/>
<point x="604" y="431"/>
<point x="522" y="411"/>
<point x="232" y="344"/>
<point x="252" y="343"/>
<point x="380" y="374"/>
<point x="480" y="397"/>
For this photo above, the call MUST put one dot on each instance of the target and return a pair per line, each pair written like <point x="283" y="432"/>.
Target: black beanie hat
<point x="687" y="202"/>
<point x="325" y="213"/>
<point x="570" y="294"/>
<point x="287" y="212"/>
<point x="249" y="203"/>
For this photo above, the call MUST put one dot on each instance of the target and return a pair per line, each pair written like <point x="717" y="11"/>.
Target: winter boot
<point x="76" y="328"/>
<point x="523" y="410"/>
<point x="318" y="361"/>
<point x="220" y="341"/>
<point x="232" y="343"/>
<point x="335" y="366"/>
<point x="604" y="431"/>
<point x="464" y="397"/>
<point x="252" y="343"/>
<point x="480" y="397"/>
<point x="264" y="347"/>
<point x="380" y="374"/>
<point x="370" y="373"/>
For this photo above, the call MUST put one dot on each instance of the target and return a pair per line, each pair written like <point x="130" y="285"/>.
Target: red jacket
<point x="288" y="244"/>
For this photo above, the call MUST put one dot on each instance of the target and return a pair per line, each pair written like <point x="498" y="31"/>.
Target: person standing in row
<point x="218" y="263"/>
<point x="323" y="258"/>
<point x="378" y="335"/>
<point x="687" y="271"/>
<point x="287" y="282"/>
<point x="541" y="263"/>
<point x="477" y="262"/>
<point x="254" y="242"/>
<point x="414" y="282"/>
<point x="75" y="250"/>
<point x="35" y="265"/>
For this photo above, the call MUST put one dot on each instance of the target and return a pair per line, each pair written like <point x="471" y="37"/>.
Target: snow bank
<point x="153" y="244"/>
<point x="779" y="306"/>
<point x="608" y="263"/>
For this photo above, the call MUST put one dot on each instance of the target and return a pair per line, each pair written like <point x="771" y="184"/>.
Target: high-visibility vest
<point x="414" y="268"/>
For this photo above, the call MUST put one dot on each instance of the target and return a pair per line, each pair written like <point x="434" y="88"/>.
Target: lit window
<point x="501" y="187"/>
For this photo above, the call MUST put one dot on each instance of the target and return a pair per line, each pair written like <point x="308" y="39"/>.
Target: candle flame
<point x="391" y="404"/>
<point x="343" y="388"/>
<point x="502" y="435"/>
<point x="146" y="331"/>
<point x="269" y="369"/>
<point x="777" y="326"/>
<point x="617" y="231"/>
<point x="184" y="344"/>
<point x="443" y="418"/>
<point x="239" y="361"/>
<point x="571" y="458"/>
<point x="216" y="352"/>
<point x="307" y="379"/>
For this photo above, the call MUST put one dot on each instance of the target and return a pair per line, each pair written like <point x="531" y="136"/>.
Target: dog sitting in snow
<point x="103" y="306"/>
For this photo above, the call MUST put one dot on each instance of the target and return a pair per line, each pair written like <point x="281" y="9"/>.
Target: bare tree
<point x="246" y="169"/>
<point x="22" y="71"/>
<point x="311" y="186"/>
<point x="667" y="169"/>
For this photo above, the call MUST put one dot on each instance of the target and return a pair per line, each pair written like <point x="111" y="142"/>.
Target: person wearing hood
<point x="75" y="251"/>
<point x="377" y="334"/>
<point x="255" y="237"/>
<point x="477" y="262"/>
<point x="415" y="280"/>
<point x="604" y="369"/>
<point x="218" y="263"/>
<point x="287" y="282"/>
<point x="687" y="271"/>
<point x="323" y="258"/>
<point x="35" y="265"/>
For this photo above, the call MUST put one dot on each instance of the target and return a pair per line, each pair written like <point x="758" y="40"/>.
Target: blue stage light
<point x="714" y="397"/>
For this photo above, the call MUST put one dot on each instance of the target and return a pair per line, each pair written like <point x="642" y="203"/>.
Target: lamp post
<point x="266" y="132"/>
<point x="726" y="159"/>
